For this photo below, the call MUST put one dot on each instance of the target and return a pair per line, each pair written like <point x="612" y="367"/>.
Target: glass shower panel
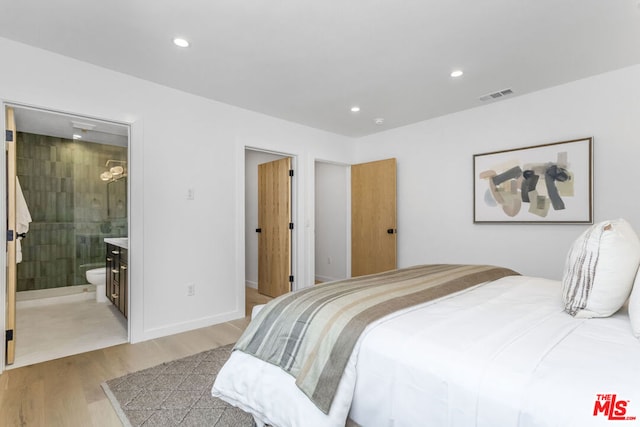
<point x="68" y="201"/>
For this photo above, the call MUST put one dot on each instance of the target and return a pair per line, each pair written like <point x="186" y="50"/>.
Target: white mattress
<point x="500" y="354"/>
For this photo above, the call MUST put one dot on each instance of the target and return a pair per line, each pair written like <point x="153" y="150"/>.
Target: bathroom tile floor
<point x="48" y="332"/>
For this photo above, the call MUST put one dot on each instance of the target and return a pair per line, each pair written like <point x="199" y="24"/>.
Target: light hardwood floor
<point x="66" y="392"/>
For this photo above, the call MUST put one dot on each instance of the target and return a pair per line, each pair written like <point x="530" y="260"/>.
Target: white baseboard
<point x="251" y="284"/>
<point x="327" y="278"/>
<point x="190" y="325"/>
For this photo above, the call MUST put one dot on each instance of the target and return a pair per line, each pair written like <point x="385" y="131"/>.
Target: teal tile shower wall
<point x="60" y="179"/>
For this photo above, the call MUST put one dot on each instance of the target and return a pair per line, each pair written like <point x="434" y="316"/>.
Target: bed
<point x="501" y="352"/>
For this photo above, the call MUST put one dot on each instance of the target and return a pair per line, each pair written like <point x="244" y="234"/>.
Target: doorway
<point x="355" y="219"/>
<point x="269" y="222"/>
<point x="332" y="231"/>
<point x="72" y="185"/>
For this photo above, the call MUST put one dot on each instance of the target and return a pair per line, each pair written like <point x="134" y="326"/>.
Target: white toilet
<point x="98" y="277"/>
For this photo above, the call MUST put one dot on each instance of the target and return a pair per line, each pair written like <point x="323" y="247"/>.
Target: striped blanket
<point x="311" y="333"/>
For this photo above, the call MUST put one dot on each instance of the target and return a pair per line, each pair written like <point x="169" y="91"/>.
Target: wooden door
<point x="373" y="217"/>
<point x="11" y="272"/>
<point x="274" y="236"/>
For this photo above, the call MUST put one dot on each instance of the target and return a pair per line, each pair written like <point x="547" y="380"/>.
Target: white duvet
<point x="499" y="354"/>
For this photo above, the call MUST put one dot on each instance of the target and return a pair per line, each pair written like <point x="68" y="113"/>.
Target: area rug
<point x="176" y="393"/>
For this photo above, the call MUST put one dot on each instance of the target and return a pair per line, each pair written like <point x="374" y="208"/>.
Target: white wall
<point x="178" y="141"/>
<point x="332" y="218"/>
<point x="252" y="160"/>
<point x="435" y="205"/>
<point x="202" y="143"/>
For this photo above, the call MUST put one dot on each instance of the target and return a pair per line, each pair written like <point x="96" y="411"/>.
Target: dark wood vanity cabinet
<point x="117" y="261"/>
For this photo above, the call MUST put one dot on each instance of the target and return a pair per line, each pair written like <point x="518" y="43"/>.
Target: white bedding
<point x="500" y="354"/>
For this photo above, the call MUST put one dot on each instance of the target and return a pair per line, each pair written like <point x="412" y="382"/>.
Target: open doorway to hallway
<point x="332" y="232"/>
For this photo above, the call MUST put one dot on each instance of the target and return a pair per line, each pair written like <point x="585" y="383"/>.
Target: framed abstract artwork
<point x="550" y="183"/>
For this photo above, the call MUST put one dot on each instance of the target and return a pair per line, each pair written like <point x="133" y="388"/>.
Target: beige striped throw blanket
<point x="311" y="333"/>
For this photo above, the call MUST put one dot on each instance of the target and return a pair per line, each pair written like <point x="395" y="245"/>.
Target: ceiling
<point x="310" y="61"/>
<point x="42" y="122"/>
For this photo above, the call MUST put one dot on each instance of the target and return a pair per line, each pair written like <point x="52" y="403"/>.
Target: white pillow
<point x="634" y="306"/>
<point x="600" y="269"/>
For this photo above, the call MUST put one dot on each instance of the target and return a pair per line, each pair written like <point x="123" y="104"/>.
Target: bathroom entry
<point x="69" y="193"/>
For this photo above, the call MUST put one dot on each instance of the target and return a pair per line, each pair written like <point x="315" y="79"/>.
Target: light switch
<point x="190" y="194"/>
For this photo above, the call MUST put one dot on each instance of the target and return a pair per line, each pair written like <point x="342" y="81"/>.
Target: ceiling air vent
<point x="496" y="95"/>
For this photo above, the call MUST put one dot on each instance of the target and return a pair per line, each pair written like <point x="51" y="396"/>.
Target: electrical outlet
<point x="328" y="260"/>
<point x="191" y="289"/>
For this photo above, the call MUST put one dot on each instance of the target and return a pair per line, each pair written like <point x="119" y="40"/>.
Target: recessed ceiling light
<point x="379" y="121"/>
<point x="76" y="136"/>
<point x="456" y="73"/>
<point x="355" y="109"/>
<point x="180" y="42"/>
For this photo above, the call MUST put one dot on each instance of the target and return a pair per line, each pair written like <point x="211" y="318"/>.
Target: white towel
<point x="23" y="218"/>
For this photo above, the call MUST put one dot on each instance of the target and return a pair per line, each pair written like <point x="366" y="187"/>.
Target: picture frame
<point x="540" y="184"/>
